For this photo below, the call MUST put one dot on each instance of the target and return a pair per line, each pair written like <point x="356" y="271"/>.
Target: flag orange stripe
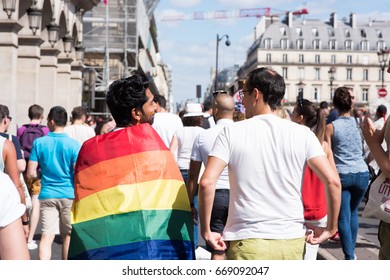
<point x="141" y="167"/>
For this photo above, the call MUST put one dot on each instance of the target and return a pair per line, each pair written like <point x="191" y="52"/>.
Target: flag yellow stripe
<point x="151" y="195"/>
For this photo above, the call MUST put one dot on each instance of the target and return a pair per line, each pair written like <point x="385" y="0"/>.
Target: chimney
<point x="352" y="20"/>
<point x="333" y="20"/>
<point x="289" y="19"/>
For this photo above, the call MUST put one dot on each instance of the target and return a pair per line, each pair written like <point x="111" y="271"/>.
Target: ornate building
<point x="39" y="43"/>
<point x="316" y="57"/>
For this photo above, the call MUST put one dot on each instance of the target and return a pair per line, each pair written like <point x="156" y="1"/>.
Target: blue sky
<point x="189" y="47"/>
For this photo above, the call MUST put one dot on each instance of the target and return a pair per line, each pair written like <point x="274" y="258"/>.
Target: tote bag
<point x="378" y="204"/>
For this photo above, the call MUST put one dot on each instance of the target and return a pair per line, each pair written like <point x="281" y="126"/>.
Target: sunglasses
<point x="10" y="118"/>
<point x="218" y="92"/>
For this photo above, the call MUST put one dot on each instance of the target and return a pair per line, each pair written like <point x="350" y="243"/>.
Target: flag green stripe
<point x="131" y="227"/>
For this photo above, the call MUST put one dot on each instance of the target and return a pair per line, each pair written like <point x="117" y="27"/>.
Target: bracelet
<point x="26" y="223"/>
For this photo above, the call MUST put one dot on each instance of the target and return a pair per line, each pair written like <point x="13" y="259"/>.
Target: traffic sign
<point x="382" y="92"/>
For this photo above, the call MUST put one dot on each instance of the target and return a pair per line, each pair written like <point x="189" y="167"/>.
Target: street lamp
<point x="9" y="7"/>
<point x="227" y="43"/>
<point x="34" y="17"/>
<point x="331" y="73"/>
<point x="383" y="56"/>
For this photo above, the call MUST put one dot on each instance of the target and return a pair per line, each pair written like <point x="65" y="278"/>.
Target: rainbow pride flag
<point x="130" y="200"/>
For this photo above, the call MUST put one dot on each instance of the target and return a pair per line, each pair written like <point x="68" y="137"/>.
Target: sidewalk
<point x="365" y="250"/>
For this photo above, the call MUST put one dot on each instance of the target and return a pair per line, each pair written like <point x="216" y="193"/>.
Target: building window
<point x="379" y="33"/>
<point x="332" y="44"/>
<point x="330" y="32"/>
<point x="348" y="45"/>
<point x="284" y="44"/>
<point x="301" y="73"/>
<point x="363" y="33"/>
<point x="301" y="58"/>
<point x="316" y="94"/>
<point x="381" y="45"/>
<point x="347" y="33"/>
<point x="300" y="44"/>
<point x="333" y="59"/>
<point x="268" y="58"/>
<point x="298" y="31"/>
<point x="284" y="72"/>
<point x="285" y="58"/>
<point x="365" y="94"/>
<point x="317" y="74"/>
<point x="365" y="74"/>
<point x="314" y="31"/>
<point x="268" y="43"/>
<point x="282" y="31"/>
<point x="349" y="74"/>
<point x="349" y="59"/>
<point x="316" y="44"/>
<point x="300" y="93"/>
<point x="317" y="58"/>
<point x="365" y="45"/>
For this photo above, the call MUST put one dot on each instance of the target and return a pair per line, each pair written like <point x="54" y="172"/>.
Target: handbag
<point x="378" y="204"/>
<point x="26" y="193"/>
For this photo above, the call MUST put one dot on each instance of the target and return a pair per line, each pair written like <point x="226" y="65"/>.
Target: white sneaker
<point x="32" y="245"/>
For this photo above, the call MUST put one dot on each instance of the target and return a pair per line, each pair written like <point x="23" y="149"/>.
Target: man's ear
<point x="136" y="114"/>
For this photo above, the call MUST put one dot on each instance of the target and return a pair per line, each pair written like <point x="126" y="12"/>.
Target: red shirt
<point x="313" y="196"/>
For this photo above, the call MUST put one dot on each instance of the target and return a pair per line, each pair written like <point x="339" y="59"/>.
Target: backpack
<point x="27" y="138"/>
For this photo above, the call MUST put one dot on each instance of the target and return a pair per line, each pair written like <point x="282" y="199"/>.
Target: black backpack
<point x="27" y="138"/>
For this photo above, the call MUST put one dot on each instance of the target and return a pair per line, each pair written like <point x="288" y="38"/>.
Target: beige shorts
<point x="266" y="249"/>
<point x="51" y="211"/>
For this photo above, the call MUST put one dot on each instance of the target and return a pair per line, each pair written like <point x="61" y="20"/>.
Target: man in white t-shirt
<point x="165" y="123"/>
<point x="266" y="157"/>
<point x="223" y="109"/>
<point x="79" y="130"/>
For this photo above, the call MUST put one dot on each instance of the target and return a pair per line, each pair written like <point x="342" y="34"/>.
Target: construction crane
<point x="224" y="14"/>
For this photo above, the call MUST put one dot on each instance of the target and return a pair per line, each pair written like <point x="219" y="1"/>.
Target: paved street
<point x="366" y="248"/>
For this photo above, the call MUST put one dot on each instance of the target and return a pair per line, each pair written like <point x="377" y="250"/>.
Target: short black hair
<point x="324" y="105"/>
<point x="127" y="94"/>
<point x="78" y="112"/>
<point x="270" y="83"/>
<point x="4" y="112"/>
<point x="160" y="100"/>
<point x="59" y="115"/>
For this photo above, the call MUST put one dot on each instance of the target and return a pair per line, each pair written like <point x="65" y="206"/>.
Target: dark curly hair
<point x="342" y="99"/>
<point x="125" y="95"/>
<point x="192" y="121"/>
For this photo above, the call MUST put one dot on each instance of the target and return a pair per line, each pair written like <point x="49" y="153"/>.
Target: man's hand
<point x="214" y="239"/>
<point x="317" y="235"/>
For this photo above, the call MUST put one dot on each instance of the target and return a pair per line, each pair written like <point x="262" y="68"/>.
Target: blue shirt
<point x="56" y="154"/>
<point x="347" y="146"/>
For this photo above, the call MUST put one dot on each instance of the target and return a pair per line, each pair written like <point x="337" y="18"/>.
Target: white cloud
<point x="185" y="3"/>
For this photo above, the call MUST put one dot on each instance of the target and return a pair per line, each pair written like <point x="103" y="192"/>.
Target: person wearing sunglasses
<point x="266" y="156"/>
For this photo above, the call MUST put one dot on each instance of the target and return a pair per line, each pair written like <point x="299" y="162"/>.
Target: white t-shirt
<point x="166" y="124"/>
<point x="11" y="208"/>
<point x="185" y="138"/>
<point x="2" y="165"/>
<point x="202" y="147"/>
<point x="266" y="156"/>
<point x="80" y="132"/>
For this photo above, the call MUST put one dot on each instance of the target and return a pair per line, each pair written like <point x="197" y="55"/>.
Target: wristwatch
<point x="26" y="223"/>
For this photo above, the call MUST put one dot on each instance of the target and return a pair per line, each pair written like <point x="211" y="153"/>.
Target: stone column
<point x="28" y="72"/>
<point x="76" y="85"/>
<point x="48" y="79"/>
<point x="63" y="92"/>
<point x="8" y="67"/>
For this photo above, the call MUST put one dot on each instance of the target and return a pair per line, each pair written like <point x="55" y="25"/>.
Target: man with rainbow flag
<point x="130" y="199"/>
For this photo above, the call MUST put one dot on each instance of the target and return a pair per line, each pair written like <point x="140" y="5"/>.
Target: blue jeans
<point x="184" y="174"/>
<point x="354" y="186"/>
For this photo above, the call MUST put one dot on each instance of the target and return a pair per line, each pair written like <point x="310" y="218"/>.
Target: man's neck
<point x="35" y="122"/>
<point x="77" y="122"/>
<point x="58" y="129"/>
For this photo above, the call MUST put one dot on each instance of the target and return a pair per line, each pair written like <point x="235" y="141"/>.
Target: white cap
<point x="193" y="110"/>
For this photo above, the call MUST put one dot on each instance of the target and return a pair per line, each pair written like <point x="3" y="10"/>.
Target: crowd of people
<point x="267" y="184"/>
